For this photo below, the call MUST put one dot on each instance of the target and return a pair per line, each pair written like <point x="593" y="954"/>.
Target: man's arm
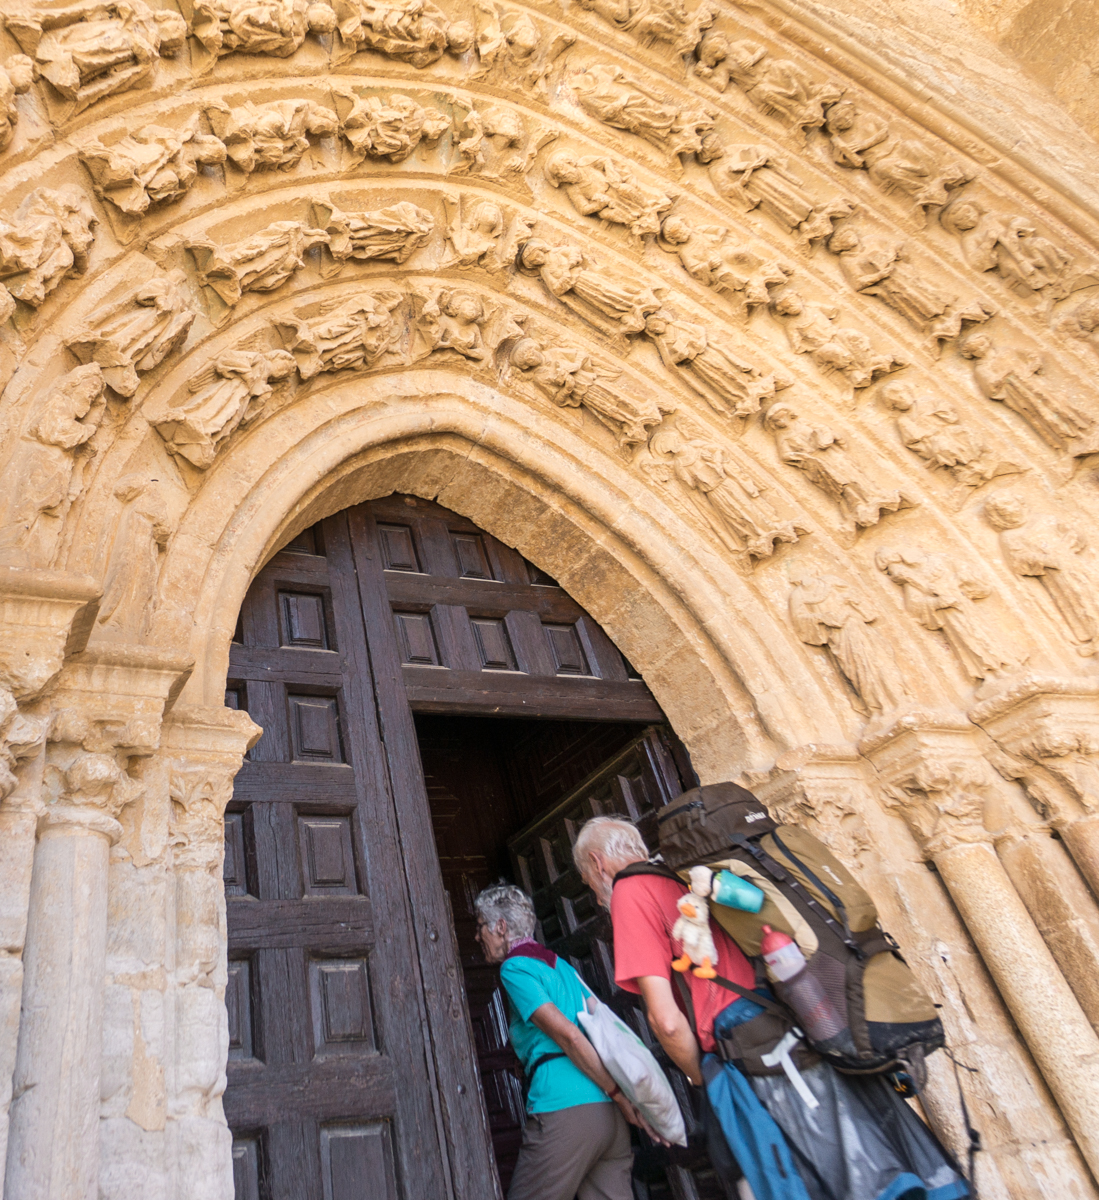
<point x="671" y="1027"/>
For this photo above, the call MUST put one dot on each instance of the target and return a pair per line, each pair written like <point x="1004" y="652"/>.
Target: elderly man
<point x="576" y="1142"/>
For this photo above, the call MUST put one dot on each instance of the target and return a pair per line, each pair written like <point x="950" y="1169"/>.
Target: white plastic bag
<point x="631" y="1065"/>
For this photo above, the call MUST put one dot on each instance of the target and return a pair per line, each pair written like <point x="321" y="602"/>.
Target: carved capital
<point x="20" y="737"/>
<point x="45" y="615"/>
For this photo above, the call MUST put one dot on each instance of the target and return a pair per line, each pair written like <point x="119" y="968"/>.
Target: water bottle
<point x="802" y="991"/>
<point x="734" y="892"/>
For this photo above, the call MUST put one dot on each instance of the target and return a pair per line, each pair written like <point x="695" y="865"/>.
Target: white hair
<point x="505" y="902"/>
<point x="614" y="837"/>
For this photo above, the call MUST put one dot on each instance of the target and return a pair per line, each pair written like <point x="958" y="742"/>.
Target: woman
<point x="576" y="1143"/>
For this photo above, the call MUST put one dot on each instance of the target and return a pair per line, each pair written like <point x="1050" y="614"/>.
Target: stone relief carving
<point x="851" y="132"/>
<point x="199" y="796"/>
<point x="412" y="31"/>
<point x="20" y="737"/>
<point x="90" y="51"/>
<point x="1083" y="323"/>
<point x="488" y="141"/>
<point x="392" y="233"/>
<point x="597" y="187"/>
<point x="481" y="233"/>
<point x="16" y="77"/>
<point x="942" y="596"/>
<point x="138" y="334"/>
<point x="462" y="322"/>
<point x="153" y="166"/>
<point x="828" y="463"/>
<point x="1044" y="548"/>
<point x="275" y="27"/>
<point x="345" y="334"/>
<point x="825" y="611"/>
<point x="391" y="128"/>
<point x="656" y="20"/>
<point x="47" y="240"/>
<point x="259" y="263"/>
<point x="275" y="135"/>
<point x="144" y="528"/>
<point x="512" y="50"/>
<point x="46" y="472"/>
<point x="942" y="802"/>
<point x="232" y="393"/>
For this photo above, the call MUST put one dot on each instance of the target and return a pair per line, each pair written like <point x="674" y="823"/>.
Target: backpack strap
<point x="647" y="868"/>
<point x="529" y="1072"/>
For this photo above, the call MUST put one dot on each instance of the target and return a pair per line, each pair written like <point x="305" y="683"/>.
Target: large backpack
<point x="891" y="1023"/>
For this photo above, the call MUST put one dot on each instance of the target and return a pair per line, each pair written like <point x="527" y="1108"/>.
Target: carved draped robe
<point x="1011" y="376"/>
<point x="1046" y="549"/>
<point x="624" y="301"/>
<point x="730" y="387"/>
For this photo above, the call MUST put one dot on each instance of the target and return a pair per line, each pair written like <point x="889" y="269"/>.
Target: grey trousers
<point x="579" y="1152"/>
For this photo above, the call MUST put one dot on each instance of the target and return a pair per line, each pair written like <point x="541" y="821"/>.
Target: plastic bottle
<point x="802" y="991"/>
<point x="734" y="892"/>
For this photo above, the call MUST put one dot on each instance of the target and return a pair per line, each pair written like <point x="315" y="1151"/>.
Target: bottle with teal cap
<point x="734" y="892"/>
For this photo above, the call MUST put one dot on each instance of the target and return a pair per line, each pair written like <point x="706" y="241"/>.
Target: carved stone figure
<point x="230" y="394"/>
<point x="91" y="51"/>
<point x="46" y="473"/>
<point x="883" y="270"/>
<point x="275" y="27"/>
<point x="389" y="129"/>
<point x="831" y="466"/>
<point x="138" y="334"/>
<point x="413" y="31"/>
<point x="595" y="186"/>
<point x="711" y="255"/>
<point x="911" y="168"/>
<point x="260" y="263"/>
<point x="756" y="177"/>
<point x="730" y="501"/>
<point x="812" y="330"/>
<point x="852" y="132"/>
<point x="824" y="611"/>
<point x="353" y="334"/>
<point x="931" y="428"/>
<point x="1047" y="550"/>
<point x="730" y="386"/>
<point x="16" y="77"/>
<point x="47" y="241"/>
<point x="656" y="20"/>
<point x="481" y="233"/>
<point x="153" y="166"/>
<point x="461" y="321"/>
<point x="488" y="140"/>
<point x="782" y="89"/>
<point x="144" y="528"/>
<point x="1012" y="376"/>
<point x="570" y="378"/>
<point x="511" y="48"/>
<point x="260" y="136"/>
<point x="1083" y="323"/>
<point x="391" y="233"/>
<point x="721" y="61"/>
<point x="594" y="292"/>
<point x="942" y="596"/>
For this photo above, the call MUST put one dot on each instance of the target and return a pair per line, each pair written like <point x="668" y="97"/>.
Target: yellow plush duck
<point x="693" y="927"/>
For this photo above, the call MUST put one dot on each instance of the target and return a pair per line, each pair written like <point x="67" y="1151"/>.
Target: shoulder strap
<point x="815" y="880"/>
<point x="647" y="868"/>
<point x="770" y="1005"/>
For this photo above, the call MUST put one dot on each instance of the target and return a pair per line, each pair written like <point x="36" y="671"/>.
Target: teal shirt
<point x="529" y="984"/>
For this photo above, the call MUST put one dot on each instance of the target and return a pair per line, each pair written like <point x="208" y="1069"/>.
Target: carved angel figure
<point x="153" y="166"/>
<point x="231" y="393"/>
<point x="46" y="241"/>
<point x="144" y="529"/>
<point x="390" y="129"/>
<point x="828" y="463"/>
<point x="941" y="596"/>
<point x="730" y="386"/>
<point x="260" y="263"/>
<point x="90" y="51"/>
<point x="883" y="270"/>
<point x="413" y="31"/>
<point x="852" y="132"/>
<point x="911" y="168"/>
<point x="16" y="77"/>
<point x="596" y="187"/>
<point x="275" y="27"/>
<point x="570" y="378"/>
<point x="812" y="330"/>
<point x="353" y="334"/>
<point x="138" y="334"/>
<point x="729" y="499"/>
<point x="460" y="321"/>
<point x="46" y="472"/>
<point x="277" y="134"/>
<point x="756" y="177"/>
<point x="824" y="611"/>
<point x="391" y="233"/>
<point x="1012" y="376"/>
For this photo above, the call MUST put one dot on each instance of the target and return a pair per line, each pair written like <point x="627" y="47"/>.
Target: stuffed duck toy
<point x="693" y="926"/>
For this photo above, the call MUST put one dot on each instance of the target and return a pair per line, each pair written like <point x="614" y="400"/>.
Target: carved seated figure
<point x="782" y="89"/>
<point x="345" y="335"/>
<point x="911" y="168"/>
<point x="275" y="27"/>
<point x="258" y="136"/>
<point x="390" y="128"/>
<point x="391" y="233"/>
<point x="597" y="187"/>
<point x="413" y="31"/>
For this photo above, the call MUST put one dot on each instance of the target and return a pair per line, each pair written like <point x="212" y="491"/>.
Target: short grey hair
<point x="506" y="902"/>
<point x="614" y="837"/>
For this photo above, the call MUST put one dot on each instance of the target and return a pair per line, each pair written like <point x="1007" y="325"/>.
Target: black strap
<point x="815" y="880"/>
<point x="647" y="868"/>
<point x="974" y="1135"/>
<point x="543" y="1058"/>
<point x="770" y="1005"/>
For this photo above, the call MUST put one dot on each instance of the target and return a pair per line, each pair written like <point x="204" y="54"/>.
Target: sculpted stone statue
<point x="153" y="166"/>
<point x="911" y="168"/>
<point x="730" y="386"/>
<point x="941" y="596"/>
<point x="275" y="27"/>
<point x="138" y="334"/>
<point x="47" y="241"/>
<point x="354" y="334"/>
<point x="595" y="186"/>
<point x="824" y="611"/>
<point x="570" y="378"/>
<point x="16" y="77"/>
<point x="828" y="463"/>
<point x="46" y="472"/>
<point x="260" y="263"/>
<point x="782" y="89"/>
<point x="458" y="320"/>
<point x="852" y="132"/>
<point x="90" y="51"/>
<point x="728" y="498"/>
<point x="883" y="270"/>
<point x="389" y="129"/>
<point x="756" y="177"/>
<point x="231" y="393"/>
<point x="721" y="60"/>
<point x="391" y="233"/>
<point x="1083" y="323"/>
<point x="512" y="50"/>
<point x="481" y="233"/>
<point x="144" y="528"/>
<point x="1045" y="549"/>
<point x="1012" y="376"/>
<point x="260" y="136"/>
<point x="711" y="255"/>
<point x="656" y="20"/>
<point x="488" y="140"/>
<point x="413" y="31"/>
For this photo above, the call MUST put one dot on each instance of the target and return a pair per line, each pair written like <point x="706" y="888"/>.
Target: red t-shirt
<point x="643" y="912"/>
